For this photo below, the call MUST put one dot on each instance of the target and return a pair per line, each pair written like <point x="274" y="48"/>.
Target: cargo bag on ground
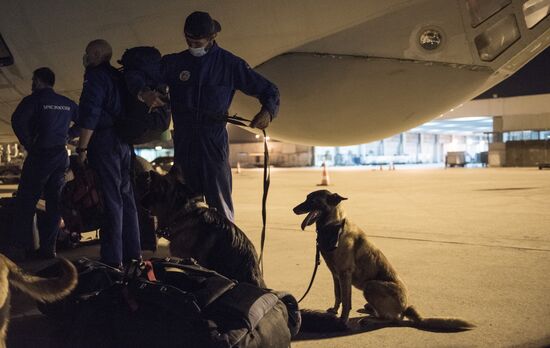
<point x="81" y="203"/>
<point x="170" y="303"/>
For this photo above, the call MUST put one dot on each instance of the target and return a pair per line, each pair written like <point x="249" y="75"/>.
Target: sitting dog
<point x="41" y="289"/>
<point x="353" y="260"/>
<point x="197" y="231"/>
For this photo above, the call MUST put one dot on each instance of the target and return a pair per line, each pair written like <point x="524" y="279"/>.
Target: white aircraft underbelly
<point x="348" y="71"/>
<point x="342" y="100"/>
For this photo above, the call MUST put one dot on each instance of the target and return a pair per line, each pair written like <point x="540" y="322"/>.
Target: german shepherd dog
<point x="353" y="260"/>
<point x="197" y="231"/>
<point x="41" y="289"/>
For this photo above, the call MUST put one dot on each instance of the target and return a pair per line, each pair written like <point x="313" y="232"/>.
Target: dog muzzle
<point x="311" y="217"/>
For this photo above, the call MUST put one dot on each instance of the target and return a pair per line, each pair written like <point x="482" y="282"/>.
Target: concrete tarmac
<point x="469" y="243"/>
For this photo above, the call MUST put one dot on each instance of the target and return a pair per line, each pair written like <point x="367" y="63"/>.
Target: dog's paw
<point x="367" y="309"/>
<point x="332" y="310"/>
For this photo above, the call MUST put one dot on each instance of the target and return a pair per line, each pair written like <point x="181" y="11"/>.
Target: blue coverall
<point x="41" y="123"/>
<point x="100" y="104"/>
<point x="201" y="91"/>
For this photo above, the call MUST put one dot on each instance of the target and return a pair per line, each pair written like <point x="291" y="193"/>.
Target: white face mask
<point x="198" y="51"/>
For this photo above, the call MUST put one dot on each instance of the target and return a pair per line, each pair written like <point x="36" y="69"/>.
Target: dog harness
<point x="327" y="241"/>
<point x="329" y="235"/>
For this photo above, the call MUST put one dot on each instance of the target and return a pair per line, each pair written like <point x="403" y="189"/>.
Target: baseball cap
<point x="199" y="25"/>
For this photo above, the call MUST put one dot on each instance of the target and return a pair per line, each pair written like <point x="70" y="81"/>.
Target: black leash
<point x="237" y="120"/>
<point x="328" y="244"/>
<point x="317" y="263"/>
<point x="267" y="179"/>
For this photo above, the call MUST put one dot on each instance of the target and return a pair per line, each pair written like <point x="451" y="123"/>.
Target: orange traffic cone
<point x="238" y="167"/>
<point x="325" y="180"/>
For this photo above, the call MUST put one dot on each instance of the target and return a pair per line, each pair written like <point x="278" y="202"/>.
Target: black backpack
<point x="139" y="124"/>
<point x="170" y="302"/>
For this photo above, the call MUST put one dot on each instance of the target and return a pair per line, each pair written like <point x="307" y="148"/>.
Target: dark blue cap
<point x="200" y="25"/>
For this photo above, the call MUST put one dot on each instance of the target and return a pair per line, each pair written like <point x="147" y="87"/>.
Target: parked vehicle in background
<point x="163" y="164"/>
<point x="10" y="173"/>
<point x="455" y="159"/>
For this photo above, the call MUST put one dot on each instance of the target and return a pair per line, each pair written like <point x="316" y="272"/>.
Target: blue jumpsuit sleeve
<point x="251" y="83"/>
<point x="21" y="122"/>
<point x="91" y="100"/>
<point x="74" y="131"/>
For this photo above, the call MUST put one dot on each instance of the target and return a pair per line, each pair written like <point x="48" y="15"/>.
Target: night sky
<point x="533" y="78"/>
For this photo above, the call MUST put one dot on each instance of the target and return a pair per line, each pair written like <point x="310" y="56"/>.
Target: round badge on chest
<point x="185" y="75"/>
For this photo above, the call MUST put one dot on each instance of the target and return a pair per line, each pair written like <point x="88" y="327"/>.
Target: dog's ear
<point x="334" y="199"/>
<point x="177" y="173"/>
<point x="151" y="176"/>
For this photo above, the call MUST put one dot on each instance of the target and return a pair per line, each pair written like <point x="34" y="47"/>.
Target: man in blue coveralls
<point x="41" y="123"/>
<point x="202" y="81"/>
<point x="100" y="104"/>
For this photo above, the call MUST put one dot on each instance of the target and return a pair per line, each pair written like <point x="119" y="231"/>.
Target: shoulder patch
<point x="185" y="75"/>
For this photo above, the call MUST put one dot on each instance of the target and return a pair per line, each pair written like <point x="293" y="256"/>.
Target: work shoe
<point x="45" y="254"/>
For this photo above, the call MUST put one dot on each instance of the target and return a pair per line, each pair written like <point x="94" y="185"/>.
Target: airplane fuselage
<point x="348" y="72"/>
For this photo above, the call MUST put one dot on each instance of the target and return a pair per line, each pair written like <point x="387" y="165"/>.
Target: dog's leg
<point x="345" y="292"/>
<point x="388" y="299"/>
<point x="367" y="309"/>
<point x="337" y="297"/>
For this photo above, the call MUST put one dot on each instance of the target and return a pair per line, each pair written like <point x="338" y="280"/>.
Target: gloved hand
<point x="151" y="98"/>
<point x="83" y="158"/>
<point x="261" y="120"/>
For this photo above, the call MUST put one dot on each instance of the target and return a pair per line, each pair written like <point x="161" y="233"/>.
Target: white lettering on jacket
<point x="57" y="107"/>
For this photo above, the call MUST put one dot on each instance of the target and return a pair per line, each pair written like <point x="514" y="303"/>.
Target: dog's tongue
<point x="310" y="219"/>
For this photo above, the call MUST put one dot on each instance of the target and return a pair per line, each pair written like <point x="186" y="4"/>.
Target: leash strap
<point x="237" y="120"/>
<point x="267" y="181"/>
<point x="317" y="263"/>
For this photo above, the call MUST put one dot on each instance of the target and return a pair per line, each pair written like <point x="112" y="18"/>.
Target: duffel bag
<point x="93" y="278"/>
<point x="175" y="302"/>
<point x="81" y="202"/>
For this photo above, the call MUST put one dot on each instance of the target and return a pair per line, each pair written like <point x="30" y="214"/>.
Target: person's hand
<point x="151" y="99"/>
<point x="261" y="120"/>
<point x="73" y="141"/>
<point x="82" y="157"/>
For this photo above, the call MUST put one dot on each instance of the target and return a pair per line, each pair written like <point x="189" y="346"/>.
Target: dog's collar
<point x="194" y="205"/>
<point x="329" y="235"/>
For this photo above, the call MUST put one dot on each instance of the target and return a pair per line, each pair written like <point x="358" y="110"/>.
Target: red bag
<point x="82" y="205"/>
